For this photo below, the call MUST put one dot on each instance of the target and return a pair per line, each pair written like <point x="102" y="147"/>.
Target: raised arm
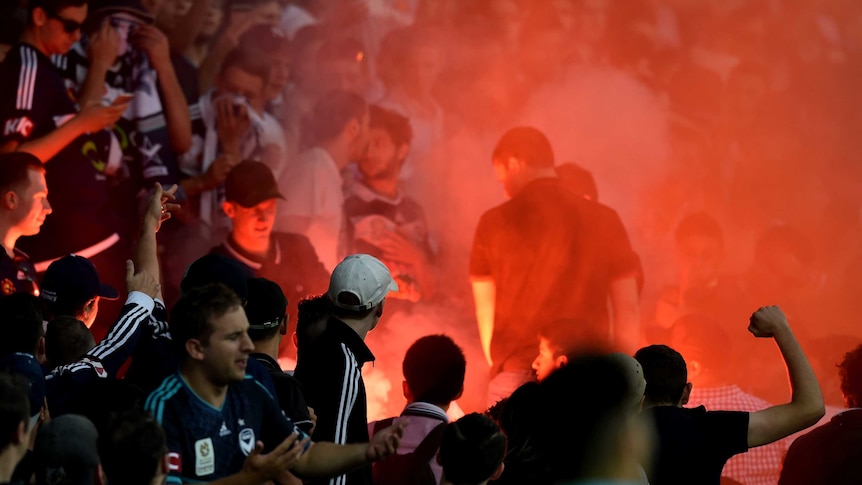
<point x="806" y="404"/>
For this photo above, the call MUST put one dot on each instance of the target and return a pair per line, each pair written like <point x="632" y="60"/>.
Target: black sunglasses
<point x="69" y="26"/>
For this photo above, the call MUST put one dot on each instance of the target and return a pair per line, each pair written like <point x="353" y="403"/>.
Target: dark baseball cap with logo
<point x="250" y="183"/>
<point x="73" y="280"/>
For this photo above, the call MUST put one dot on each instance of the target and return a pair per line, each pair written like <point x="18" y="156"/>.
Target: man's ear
<point x="10" y="199"/>
<point x="405" y="389"/>
<point x="295" y="340"/>
<point x="561" y="361"/>
<point x="498" y="472"/>
<point x="39" y="16"/>
<point x="686" y="394"/>
<point x="402" y="152"/>
<point x="21" y="433"/>
<point x="195" y="348"/>
<point x="165" y="464"/>
<point x="229" y="209"/>
<point x="282" y="328"/>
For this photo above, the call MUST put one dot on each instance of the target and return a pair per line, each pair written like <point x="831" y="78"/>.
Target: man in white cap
<point x="331" y="370"/>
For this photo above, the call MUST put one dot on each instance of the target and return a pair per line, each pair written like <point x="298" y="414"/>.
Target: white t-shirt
<point x="312" y="188"/>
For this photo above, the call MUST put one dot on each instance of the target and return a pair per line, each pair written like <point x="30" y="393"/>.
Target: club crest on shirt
<point x="7" y="286"/>
<point x="246" y="441"/>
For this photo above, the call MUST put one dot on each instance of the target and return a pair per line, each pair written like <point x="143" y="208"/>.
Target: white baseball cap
<point x="364" y="277"/>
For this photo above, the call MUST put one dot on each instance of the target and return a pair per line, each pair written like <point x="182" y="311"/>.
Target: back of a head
<point x="517" y="419"/>
<point x="265" y="309"/>
<point x="665" y="373"/>
<point x="471" y="450"/>
<point x="216" y="268"/>
<point x="568" y="336"/>
<point x="14" y="406"/>
<point x="15" y="168"/>
<point x="850" y="372"/>
<point x="21" y="317"/>
<point x="588" y="421"/>
<point x="579" y="180"/>
<point x="332" y="113"/>
<point x="358" y="286"/>
<point x="527" y="144"/>
<point x="434" y="368"/>
<point x="131" y="447"/>
<point x="312" y="314"/>
<point x="66" y="340"/>
<point x="191" y="315"/>
<point x="65" y="452"/>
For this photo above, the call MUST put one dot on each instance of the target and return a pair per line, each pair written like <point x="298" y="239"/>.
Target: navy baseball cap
<point x="266" y="306"/>
<point x="26" y="366"/>
<point x="216" y="268"/>
<point x="73" y="280"/>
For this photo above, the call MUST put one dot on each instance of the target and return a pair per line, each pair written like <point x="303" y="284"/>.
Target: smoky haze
<point x="744" y="113"/>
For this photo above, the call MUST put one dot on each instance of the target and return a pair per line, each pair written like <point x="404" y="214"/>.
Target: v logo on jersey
<point x="246" y="441"/>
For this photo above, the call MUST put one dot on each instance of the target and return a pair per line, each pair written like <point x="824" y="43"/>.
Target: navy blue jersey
<point x="206" y="443"/>
<point x="17" y="274"/>
<point x="34" y="101"/>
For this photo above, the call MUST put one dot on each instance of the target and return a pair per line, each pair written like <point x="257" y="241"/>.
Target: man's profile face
<point x="33" y="206"/>
<point x="252" y="223"/>
<point x="227" y="350"/>
<point x="381" y="160"/>
<point x="546" y="362"/>
<point x="62" y="29"/>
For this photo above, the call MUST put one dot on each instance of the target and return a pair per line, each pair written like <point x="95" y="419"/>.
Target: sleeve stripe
<point x="26" y="79"/>
<point x="348" y="395"/>
<point x="120" y="333"/>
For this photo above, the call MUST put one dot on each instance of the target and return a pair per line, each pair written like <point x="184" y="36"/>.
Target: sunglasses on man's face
<point x="70" y="26"/>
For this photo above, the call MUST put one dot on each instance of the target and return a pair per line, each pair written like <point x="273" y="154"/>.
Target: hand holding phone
<point x="123" y="98"/>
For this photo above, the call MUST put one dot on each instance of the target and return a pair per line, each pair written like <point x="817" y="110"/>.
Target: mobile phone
<point x="123" y="98"/>
<point x="301" y="435"/>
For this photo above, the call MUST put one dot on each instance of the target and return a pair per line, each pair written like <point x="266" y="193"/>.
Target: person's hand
<point x="141" y="281"/>
<point x="399" y="249"/>
<point x="155" y="43"/>
<point x="232" y="122"/>
<point x="385" y="442"/>
<point x="160" y="205"/>
<point x="96" y="116"/>
<point x="218" y="170"/>
<point x="313" y="419"/>
<point x="239" y="23"/>
<point x="104" y="46"/>
<point x="767" y="321"/>
<point x="271" y="465"/>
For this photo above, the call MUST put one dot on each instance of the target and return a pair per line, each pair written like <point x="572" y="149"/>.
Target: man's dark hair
<point x="191" y="315"/>
<point x="516" y="416"/>
<point x="527" y="144"/>
<point x="568" y="335"/>
<point x="265" y="303"/>
<point x="21" y="318"/>
<point x="699" y="224"/>
<point x="589" y="423"/>
<point x="332" y="113"/>
<point x="131" y="448"/>
<point x="665" y="373"/>
<point x="850" y="372"/>
<point x="249" y="64"/>
<point x="14" y="406"/>
<point x="51" y="6"/>
<point x="15" y="170"/>
<point x="434" y="368"/>
<point x="311" y="317"/>
<point x="394" y="124"/>
<point x="67" y="340"/>
<point x="472" y="449"/>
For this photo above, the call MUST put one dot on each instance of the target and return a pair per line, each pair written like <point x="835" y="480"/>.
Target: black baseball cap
<point x="73" y="280"/>
<point x="216" y="268"/>
<point x="250" y="183"/>
<point x="266" y="306"/>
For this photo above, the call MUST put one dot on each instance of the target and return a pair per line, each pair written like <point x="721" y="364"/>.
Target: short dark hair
<point x="52" y="6"/>
<point x="472" y="449"/>
<point x="131" y="448"/>
<point x="15" y="168"/>
<point x="67" y="340"/>
<point x="589" y="421"/>
<point x="191" y="315"/>
<point x="527" y="144"/>
<point x="665" y="373"/>
<point x="850" y="373"/>
<point x="347" y="298"/>
<point x="394" y="124"/>
<point x="332" y="113"/>
<point x="312" y="314"/>
<point x="699" y="224"/>
<point x="249" y="64"/>
<point x="568" y="335"/>
<point x="21" y="316"/>
<point x="434" y="368"/>
<point x="14" y="406"/>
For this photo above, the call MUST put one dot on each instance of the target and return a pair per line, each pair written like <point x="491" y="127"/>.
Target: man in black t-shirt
<point x="694" y="444"/>
<point x="547" y="254"/>
<point x="23" y="209"/>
